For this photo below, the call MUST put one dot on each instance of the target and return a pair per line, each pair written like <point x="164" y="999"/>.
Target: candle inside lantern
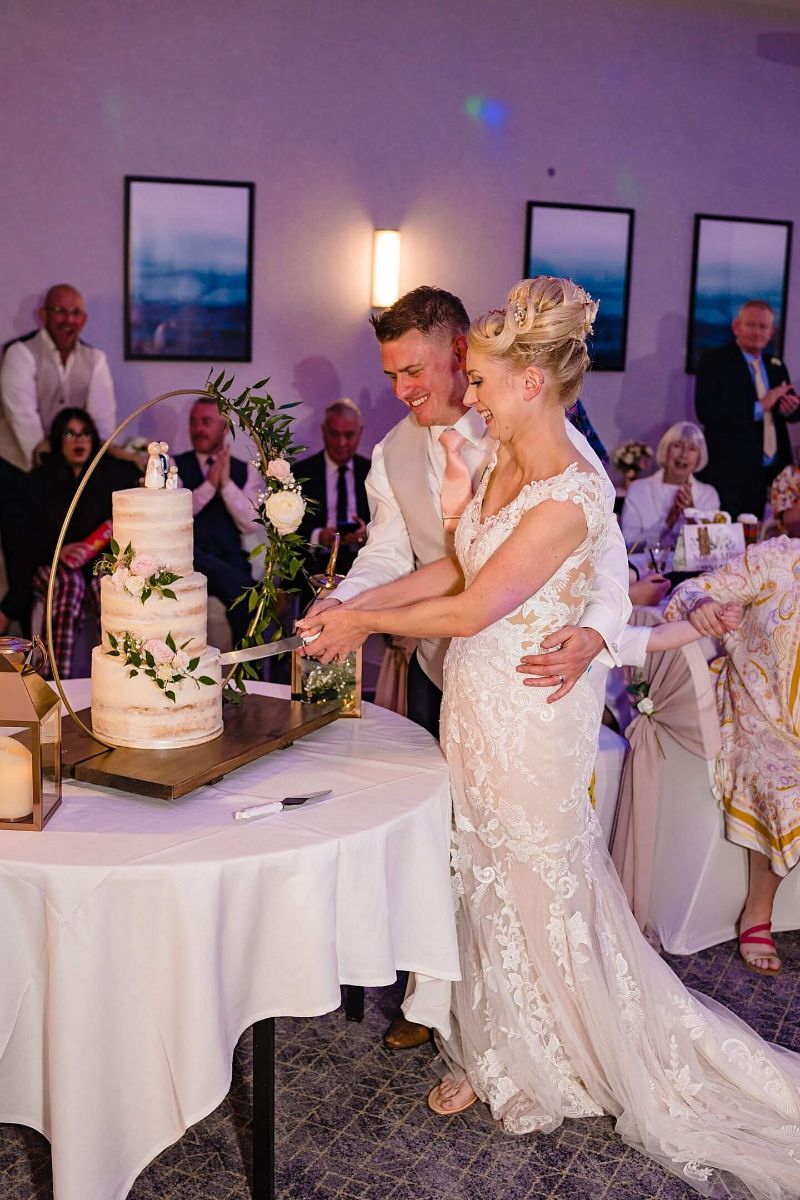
<point x="16" y="780"/>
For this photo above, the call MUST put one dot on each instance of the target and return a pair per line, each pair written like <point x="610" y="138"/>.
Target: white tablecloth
<point x="139" y="938"/>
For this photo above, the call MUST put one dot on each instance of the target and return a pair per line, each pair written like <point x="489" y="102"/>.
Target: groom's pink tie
<point x="456" y="481"/>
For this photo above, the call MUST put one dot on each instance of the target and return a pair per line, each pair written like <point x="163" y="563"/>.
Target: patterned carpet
<point x="352" y="1124"/>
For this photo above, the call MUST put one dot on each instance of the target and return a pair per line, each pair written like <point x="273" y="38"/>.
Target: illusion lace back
<point x="564" y="1009"/>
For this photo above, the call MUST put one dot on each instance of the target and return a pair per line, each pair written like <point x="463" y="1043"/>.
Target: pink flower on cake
<point x="279" y="469"/>
<point x="119" y="577"/>
<point x="159" y="650"/>
<point x="285" y="510"/>
<point x="144" y="565"/>
<point x="180" y="660"/>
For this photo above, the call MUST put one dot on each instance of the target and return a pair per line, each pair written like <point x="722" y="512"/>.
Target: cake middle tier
<point x="186" y="617"/>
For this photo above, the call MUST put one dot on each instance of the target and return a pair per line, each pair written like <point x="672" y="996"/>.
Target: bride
<point x="564" y="1010"/>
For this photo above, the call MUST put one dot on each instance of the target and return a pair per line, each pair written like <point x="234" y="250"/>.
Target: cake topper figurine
<point x="157" y="465"/>
<point x="171" y="483"/>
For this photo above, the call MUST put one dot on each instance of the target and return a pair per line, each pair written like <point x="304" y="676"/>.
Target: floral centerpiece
<point x="632" y="457"/>
<point x="281" y="507"/>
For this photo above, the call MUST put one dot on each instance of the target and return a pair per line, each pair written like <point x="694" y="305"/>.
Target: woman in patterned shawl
<point x="758" y="701"/>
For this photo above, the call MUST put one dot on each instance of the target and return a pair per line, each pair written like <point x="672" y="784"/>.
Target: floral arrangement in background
<point x="280" y="510"/>
<point x="163" y="662"/>
<point x="137" y="574"/>
<point x="632" y="456"/>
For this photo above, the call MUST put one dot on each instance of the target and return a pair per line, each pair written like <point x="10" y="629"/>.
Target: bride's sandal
<point x="435" y="1105"/>
<point x="746" y="939"/>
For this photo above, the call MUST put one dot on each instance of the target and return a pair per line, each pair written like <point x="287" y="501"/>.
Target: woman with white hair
<point x="653" y="509"/>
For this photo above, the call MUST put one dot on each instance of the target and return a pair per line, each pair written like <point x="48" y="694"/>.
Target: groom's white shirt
<point x="389" y="553"/>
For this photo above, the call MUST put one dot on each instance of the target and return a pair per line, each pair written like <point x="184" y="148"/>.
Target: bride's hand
<point x="341" y="630"/>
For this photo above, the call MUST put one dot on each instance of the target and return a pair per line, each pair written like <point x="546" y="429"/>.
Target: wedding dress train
<point x="564" y="1009"/>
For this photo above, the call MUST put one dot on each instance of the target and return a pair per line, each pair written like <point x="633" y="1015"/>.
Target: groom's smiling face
<point x="427" y="374"/>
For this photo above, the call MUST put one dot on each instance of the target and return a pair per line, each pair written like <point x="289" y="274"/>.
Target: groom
<point x="421" y="478"/>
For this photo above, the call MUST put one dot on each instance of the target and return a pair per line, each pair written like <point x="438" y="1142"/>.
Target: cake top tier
<point x="158" y="522"/>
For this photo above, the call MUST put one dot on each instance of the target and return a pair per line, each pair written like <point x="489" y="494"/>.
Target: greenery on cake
<point x="137" y="574"/>
<point x="163" y="662"/>
<point x="281" y="507"/>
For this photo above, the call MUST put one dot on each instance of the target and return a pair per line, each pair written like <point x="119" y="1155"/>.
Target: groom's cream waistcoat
<point x="405" y="456"/>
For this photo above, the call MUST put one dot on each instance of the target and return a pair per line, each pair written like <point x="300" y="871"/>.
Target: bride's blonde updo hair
<point x="545" y="322"/>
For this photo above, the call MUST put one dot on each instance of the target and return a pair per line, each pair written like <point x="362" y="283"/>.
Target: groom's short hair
<point x="428" y="309"/>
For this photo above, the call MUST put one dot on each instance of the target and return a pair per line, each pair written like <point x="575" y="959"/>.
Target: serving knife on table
<point x="254" y="811"/>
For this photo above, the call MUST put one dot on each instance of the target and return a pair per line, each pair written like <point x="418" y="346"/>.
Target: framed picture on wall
<point x="188" y="269"/>
<point x="593" y="246"/>
<point x="734" y="259"/>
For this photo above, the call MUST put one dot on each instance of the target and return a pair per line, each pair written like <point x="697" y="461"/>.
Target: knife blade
<point x="266" y="651"/>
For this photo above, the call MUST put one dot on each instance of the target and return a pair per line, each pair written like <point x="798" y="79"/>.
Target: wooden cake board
<point x="257" y="726"/>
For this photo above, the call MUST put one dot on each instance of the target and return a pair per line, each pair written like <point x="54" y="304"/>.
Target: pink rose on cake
<point x="285" y="510"/>
<point x="279" y="469"/>
<point x="159" y="650"/>
<point x="143" y="565"/>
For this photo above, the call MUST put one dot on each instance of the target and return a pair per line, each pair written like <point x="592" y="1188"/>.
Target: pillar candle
<point x="16" y="780"/>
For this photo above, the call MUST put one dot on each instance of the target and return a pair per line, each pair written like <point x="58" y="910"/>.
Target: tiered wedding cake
<point x="156" y="684"/>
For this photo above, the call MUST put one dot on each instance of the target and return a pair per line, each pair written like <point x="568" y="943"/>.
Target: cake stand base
<point x="257" y="726"/>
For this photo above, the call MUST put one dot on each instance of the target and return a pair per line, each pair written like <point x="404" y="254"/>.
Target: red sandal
<point x="746" y="938"/>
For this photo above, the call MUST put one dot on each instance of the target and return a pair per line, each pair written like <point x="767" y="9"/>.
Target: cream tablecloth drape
<point x="139" y="938"/>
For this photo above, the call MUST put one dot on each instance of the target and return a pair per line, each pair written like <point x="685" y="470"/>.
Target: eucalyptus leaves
<point x="163" y="662"/>
<point x="279" y="513"/>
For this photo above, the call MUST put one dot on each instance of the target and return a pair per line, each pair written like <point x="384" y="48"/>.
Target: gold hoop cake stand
<point x="252" y="728"/>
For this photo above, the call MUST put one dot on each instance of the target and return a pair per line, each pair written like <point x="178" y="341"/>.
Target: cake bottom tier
<point x="137" y="713"/>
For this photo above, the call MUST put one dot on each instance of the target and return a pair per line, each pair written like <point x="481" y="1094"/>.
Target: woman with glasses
<point x="653" y="509"/>
<point x="40" y="511"/>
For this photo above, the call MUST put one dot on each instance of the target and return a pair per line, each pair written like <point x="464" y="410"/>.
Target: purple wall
<point x="351" y="115"/>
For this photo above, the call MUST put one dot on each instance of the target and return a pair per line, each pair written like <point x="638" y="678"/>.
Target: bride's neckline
<point x="571" y="468"/>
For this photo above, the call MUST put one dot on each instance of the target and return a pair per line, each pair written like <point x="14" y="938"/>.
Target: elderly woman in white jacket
<point x="653" y="509"/>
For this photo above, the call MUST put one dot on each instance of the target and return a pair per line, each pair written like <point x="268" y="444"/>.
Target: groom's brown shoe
<point x="405" y="1035"/>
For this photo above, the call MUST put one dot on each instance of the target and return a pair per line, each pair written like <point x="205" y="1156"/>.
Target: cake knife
<point x="264" y="810"/>
<point x="266" y="650"/>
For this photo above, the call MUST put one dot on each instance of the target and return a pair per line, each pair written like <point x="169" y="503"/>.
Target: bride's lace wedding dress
<point x="564" y="1009"/>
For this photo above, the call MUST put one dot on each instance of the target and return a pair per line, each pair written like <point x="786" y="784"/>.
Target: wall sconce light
<point x="385" y="267"/>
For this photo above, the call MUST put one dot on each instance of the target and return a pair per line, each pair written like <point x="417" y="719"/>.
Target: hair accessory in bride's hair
<point x="520" y="312"/>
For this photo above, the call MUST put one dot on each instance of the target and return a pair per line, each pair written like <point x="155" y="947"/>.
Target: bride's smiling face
<point x="496" y="392"/>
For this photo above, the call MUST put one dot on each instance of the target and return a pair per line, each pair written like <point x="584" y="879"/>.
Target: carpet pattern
<point x="352" y="1124"/>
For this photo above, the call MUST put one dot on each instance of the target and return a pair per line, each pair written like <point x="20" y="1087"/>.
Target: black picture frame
<point x="729" y="266"/>
<point x="188" y="269"/>
<point x="593" y="245"/>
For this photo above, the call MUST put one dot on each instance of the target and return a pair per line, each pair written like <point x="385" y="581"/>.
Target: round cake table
<point x="139" y="938"/>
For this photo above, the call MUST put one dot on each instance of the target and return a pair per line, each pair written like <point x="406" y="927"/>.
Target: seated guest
<point x="646" y="591"/>
<point x="334" y="481"/>
<point x="40" y="509"/>
<point x="224" y="497"/>
<point x="653" y="508"/>
<point x="758" y="703"/>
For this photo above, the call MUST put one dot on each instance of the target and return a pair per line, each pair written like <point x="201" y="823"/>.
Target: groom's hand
<point x="562" y="667"/>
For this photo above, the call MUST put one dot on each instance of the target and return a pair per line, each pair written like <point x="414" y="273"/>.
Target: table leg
<point x="264" y="1109"/>
<point x="354" y="1003"/>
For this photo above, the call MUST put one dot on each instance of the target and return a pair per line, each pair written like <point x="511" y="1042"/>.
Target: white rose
<point x="285" y="510"/>
<point x="646" y="706"/>
<point x="180" y="660"/>
<point x="279" y="469"/>
<point x="144" y="565"/>
<point x="164" y="672"/>
<point x="747" y="519"/>
<point x="119" y="578"/>
<point x="134" y="584"/>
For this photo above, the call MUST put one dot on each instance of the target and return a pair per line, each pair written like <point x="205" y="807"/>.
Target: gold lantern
<point x="314" y="682"/>
<point x="30" y="761"/>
